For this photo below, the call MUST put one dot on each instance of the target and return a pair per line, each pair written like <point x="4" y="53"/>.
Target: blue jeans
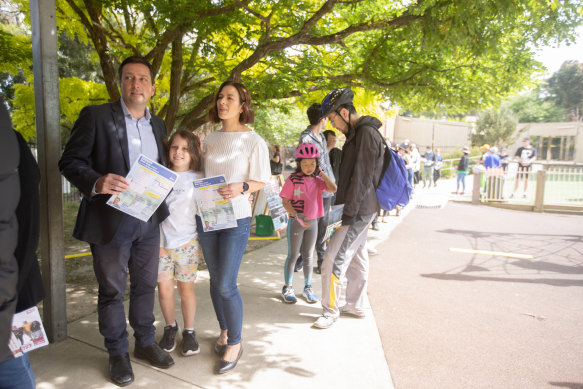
<point x="16" y="373"/>
<point x="461" y="178"/>
<point x="223" y="251"/>
<point x="410" y="176"/>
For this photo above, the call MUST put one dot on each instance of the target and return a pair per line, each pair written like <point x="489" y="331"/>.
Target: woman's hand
<point x="231" y="190"/>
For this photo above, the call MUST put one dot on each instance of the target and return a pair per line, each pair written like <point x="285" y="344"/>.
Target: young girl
<point x="302" y="198"/>
<point x="179" y="247"/>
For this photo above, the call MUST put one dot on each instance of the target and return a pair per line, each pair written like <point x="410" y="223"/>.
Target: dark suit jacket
<point x="9" y="197"/>
<point x="30" y="284"/>
<point x="99" y="145"/>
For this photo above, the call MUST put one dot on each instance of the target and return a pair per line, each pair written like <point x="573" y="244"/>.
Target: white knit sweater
<point x="240" y="157"/>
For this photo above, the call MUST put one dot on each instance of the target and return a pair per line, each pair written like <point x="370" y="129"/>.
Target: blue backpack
<point x="394" y="187"/>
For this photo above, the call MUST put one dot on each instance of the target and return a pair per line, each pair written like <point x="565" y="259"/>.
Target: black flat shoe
<point x="225" y="366"/>
<point x="155" y="355"/>
<point x="120" y="370"/>
<point x="220" y="349"/>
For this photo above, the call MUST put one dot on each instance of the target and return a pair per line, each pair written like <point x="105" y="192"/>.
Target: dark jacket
<point x="360" y="169"/>
<point x="464" y="163"/>
<point x="335" y="158"/>
<point x="9" y="196"/>
<point x="30" y="284"/>
<point x="99" y="145"/>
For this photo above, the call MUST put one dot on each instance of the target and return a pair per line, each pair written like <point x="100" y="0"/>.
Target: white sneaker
<point x="324" y="322"/>
<point x="344" y="311"/>
<point x="371" y="250"/>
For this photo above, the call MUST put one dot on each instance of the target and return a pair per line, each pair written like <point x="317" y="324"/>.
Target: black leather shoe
<point x="120" y="369"/>
<point x="225" y="366"/>
<point x="220" y="349"/>
<point x="155" y="355"/>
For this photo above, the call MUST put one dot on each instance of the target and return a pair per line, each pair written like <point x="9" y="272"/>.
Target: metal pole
<point x="46" y="94"/>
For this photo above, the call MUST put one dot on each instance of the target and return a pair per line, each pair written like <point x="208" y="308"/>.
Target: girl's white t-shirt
<point x="179" y="227"/>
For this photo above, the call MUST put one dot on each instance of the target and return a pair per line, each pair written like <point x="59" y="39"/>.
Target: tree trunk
<point x="175" y="81"/>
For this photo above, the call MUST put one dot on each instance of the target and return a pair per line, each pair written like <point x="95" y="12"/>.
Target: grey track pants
<point x="346" y="256"/>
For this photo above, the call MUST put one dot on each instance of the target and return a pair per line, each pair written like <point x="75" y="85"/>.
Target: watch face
<point x="245" y="187"/>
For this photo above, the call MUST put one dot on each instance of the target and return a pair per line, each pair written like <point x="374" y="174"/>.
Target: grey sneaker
<point x="168" y="341"/>
<point x="344" y="311"/>
<point x="189" y="343"/>
<point x="324" y="322"/>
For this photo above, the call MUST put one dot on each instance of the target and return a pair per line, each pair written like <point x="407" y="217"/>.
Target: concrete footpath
<point x="281" y="349"/>
<point x="441" y="319"/>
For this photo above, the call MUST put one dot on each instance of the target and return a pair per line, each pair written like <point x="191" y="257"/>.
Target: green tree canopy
<point x="566" y="87"/>
<point x="460" y="54"/>
<point x="531" y="108"/>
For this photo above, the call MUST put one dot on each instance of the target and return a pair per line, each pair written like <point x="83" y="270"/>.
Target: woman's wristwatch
<point x="245" y="187"/>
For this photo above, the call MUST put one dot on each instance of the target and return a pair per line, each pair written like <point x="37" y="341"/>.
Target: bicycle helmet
<point x="335" y="99"/>
<point x="306" y="150"/>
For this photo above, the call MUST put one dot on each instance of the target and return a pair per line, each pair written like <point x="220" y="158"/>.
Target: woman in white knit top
<point x="241" y="155"/>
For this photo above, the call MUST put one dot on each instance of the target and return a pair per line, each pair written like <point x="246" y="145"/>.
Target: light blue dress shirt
<point x="141" y="139"/>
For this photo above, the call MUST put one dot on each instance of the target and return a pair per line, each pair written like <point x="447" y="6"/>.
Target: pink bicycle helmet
<point x="306" y="150"/>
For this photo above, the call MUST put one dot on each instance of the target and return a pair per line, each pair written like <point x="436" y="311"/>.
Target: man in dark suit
<point x="105" y="141"/>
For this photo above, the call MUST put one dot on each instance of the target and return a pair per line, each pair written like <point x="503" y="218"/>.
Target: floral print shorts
<point x="180" y="263"/>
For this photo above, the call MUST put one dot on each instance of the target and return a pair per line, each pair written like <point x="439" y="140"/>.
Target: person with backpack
<point x="360" y="172"/>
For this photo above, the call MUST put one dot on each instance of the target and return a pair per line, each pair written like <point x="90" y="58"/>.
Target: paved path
<point x="445" y="319"/>
<point x="281" y="350"/>
<point x="459" y="320"/>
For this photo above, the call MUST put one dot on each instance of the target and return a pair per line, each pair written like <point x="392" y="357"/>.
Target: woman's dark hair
<point x="136" y="59"/>
<point x="193" y="148"/>
<point x="247" y="116"/>
<point x="299" y="168"/>
<point x="277" y="148"/>
<point x="328" y="133"/>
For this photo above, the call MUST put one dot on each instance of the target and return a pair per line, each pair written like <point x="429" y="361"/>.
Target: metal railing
<point x="544" y="186"/>
<point x="564" y="186"/>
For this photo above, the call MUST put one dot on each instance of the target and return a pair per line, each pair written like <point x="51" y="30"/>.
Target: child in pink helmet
<point x="302" y="198"/>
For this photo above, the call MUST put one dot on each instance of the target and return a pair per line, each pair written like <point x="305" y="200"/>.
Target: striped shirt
<point x="308" y="136"/>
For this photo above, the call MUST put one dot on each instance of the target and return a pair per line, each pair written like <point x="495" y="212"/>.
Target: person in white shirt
<point x="179" y="247"/>
<point x="241" y="155"/>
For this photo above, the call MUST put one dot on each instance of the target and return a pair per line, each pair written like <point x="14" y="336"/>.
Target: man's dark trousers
<point x="135" y="246"/>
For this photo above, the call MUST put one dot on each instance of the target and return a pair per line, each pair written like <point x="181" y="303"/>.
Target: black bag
<point x="276" y="168"/>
